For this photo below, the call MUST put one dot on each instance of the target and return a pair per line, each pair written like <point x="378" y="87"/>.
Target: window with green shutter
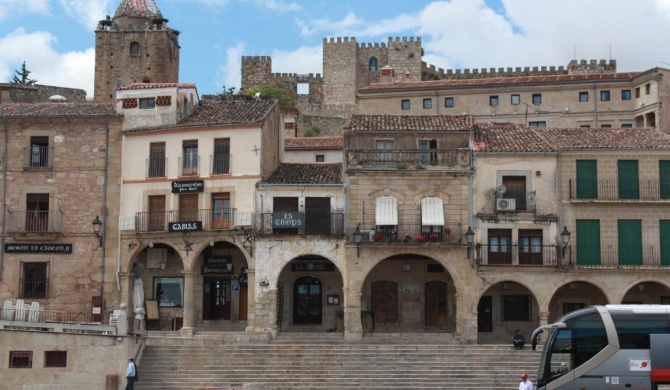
<point x="588" y="242"/>
<point x="664" y="178"/>
<point x="629" y="181"/>
<point x="587" y="179"/>
<point x="630" y="242"/>
<point x="664" y="239"/>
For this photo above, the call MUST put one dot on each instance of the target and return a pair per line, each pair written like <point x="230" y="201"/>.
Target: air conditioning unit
<point x="506" y="204"/>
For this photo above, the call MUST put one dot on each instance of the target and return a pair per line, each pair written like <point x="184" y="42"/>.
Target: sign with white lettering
<point x="288" y="220"/>
<point x="38" y="248"/>
<point x="184" y="187"/>
<point x="312" y="267"/>
<point x="191" y="226"/>
<point x="217" y="269"/>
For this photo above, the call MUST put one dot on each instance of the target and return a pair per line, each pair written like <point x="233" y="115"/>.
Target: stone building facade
<point x="19" y="93"/>
<point x="134" y="46"/>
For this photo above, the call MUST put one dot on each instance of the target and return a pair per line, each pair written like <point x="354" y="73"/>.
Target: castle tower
<point x="135" y="46"/>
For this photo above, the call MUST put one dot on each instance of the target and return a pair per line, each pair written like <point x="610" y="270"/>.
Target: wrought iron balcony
<point x="34" y="221"/>
<point x="38" y="157"/>
<point x="156" y="167"/>
<point x="619" y="190"/>
<point x="207" y="219"/>
<point x="410" y="234"/>
<point x="220" y="163"/>
<point x="189" y="166"/>
<point x="301" y="224"/>
<point x="409" y="159"/>
<point x="622" y="256"/>
<point x="520" y="255"/>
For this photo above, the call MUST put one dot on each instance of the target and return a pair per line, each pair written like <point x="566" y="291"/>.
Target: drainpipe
<point x="104" y="214"/>
<point x="595" y="106"/>
<point x="4" y="197"/>
<point x="559" y="201"/>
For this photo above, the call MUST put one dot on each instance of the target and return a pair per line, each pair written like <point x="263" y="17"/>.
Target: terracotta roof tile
<point x="410" y="122"/>
<point x="313" y="143"/>
<point x="56" y="110"/>
<point x="155" y="86"/>
<point x="509" y="137"/>
<point x="306" y="173"/>
<point x="237" y="112"/>
<point x="546" y="79"/>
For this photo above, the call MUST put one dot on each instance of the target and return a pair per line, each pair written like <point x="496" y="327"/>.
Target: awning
<point x="432" y="212"/>
<point x="386" y="211"/>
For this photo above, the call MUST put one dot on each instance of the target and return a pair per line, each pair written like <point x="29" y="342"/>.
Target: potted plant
<point x="379" y="236"/>
<point x="408" y="237"/>
<point x="421" y="238"/>
<point x="447" y="232"/>
<point x="394" y="235"/>
<point x="434" y="237"/>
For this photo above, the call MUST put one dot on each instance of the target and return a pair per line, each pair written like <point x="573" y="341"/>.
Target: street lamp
<point x="358" y="236"/>
<point x="470" y="236"/>
<point x="565" y="238"/>
<point x="97" y="227"/>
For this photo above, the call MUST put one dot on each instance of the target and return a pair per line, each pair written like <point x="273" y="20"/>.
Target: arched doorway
<point x="572" y="296"/>
<point x="307" y="301"/>
<point x="436" y="307"/>
<point x="503" y="308"/>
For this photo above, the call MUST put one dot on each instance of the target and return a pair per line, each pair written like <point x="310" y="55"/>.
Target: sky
<point x="56" y="37"/>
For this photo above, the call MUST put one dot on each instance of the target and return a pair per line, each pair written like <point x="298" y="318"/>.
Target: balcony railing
<point x="327" y="224"/>
<point x="34" y="221"/>
<point x="614" y="189"/>
<point x="520" y="255"/>
<point x="156" y="167"/>
<point x="410" y="234"/>
<point x="405" y="159"/>
<point x="189" y="166"/>
<point x="622" y="256"/>
<point x="220" y="163"/>
<point x="38" y="157"/>
<point x="211" y="219"/>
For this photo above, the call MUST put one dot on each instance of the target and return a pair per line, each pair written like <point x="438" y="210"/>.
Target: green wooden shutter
<point x="664" y="173"/>
<point x="664" y="227"/>
<point x="587" y="179"/>
<point x="588" y="242"/>
<point x="629" y="182"/>
<point x="630" y="242"/>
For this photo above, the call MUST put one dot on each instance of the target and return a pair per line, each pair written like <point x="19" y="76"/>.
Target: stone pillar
<point x="189" y="305"/>
<point x="466" y="320"/>
<point x="251" y="300"/>
<point x="353" y="328"/>
<point x="544" y="318"/>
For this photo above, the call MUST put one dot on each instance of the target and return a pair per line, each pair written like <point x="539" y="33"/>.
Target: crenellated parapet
<point x="431" y="72"/>
<point x="592" y="66"/>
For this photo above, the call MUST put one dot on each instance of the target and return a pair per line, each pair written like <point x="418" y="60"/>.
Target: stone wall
<point x="19" y="93"/>
<point x="430" y="72"/>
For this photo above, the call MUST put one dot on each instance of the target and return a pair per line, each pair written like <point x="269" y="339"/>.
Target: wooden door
<point x="485" y="314"/>
<point x="188" y="208"/>
<point x="244" y="301"/>
<point x="317" y="216"/>
<point x="221" y="211"/>
<point x="436" y="304"/>
<point x="588" y="242"/>
<point x="216" y="299"/>
<point x="157" y="213"/>
<point x="384" y="299"/>
<point x="307" y="301"/>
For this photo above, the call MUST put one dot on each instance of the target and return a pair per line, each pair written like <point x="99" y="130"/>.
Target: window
<point x="647" y="89"/>
<point x="583" y="97"/>
<point x="169" y="292"/>
<point x="427" y="104"/>
<point x="134" y="49"/>
<point x="587" y="179"/>
<point x="516" y="308"/>
<point x="629" y="180"/>
<point x="606" y="126"/>
<point x="20" y="359"/>
<point x="188" y="208"/>
<point x="493" y="100"/>
<point x="384" y="157"/>
<point x="372" y="63"/>
<point x="432" y="219"/>
<point x="386" y="216"/>
<point x="55" y="358"/>
<point x="404" y="104"/>
<point x="428" y="158"/>
<point x="538" y="124"/>
<point x="664" y="178"/>
<point x="585" y="126"/>
<point x="537" y="98"/>
<point x="448" y="102"/>
<point x="190" y="158"/>
<point x="156" y="217"/>
<point x="320" y="158"/>
<point x="625" y="94"/>
<point x="39" y="152"/>
<point x="500" y="246"/>
<point x="530" y="246"/>
<point x="221" y="211"/>
<point x="37" y="213"/>
<point x="147" y="103"/>
<point x="156" y="161"/>
<point x="664" y="231"/>
<point x="605" y="96"/>
<point x="317" y="215"/>
<point x="627" y="126"/>
<point x="221" y="158"/>
<point x="516" y="189"/>
<point x="588" y="242"/>
<point x="630" y="242"/>
<point x="34" y="280"/>
<point x="637" y="92"/>
<point x="516" y="100"/>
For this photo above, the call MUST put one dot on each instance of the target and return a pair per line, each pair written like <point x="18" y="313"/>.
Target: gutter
<point x="104" y="214"/>
<point x="4" y="197"/>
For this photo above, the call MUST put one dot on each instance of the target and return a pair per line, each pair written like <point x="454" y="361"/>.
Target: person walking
<point x="131" y="373"/>
<point x="525" y="384"/>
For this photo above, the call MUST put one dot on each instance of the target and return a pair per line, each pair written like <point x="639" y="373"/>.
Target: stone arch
<point x="575" y="294"/>
<point x="501" y="309"/>
<point x="431" y="192"/>
<point x="387" y="192"/>
<point x="373" y="64"/>
<point x="645" y="291"/>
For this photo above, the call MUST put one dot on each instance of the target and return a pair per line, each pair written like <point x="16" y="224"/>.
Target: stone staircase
<point x="326" y="361"/>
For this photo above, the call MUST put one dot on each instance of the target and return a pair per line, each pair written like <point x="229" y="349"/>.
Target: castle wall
<point x="404" y="56"/>
<point x="430" y="72"/>
<point x="256" y="71"/>
<point x="339" y="76"/>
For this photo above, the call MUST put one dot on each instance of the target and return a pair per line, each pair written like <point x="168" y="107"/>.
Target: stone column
<point x="353" y="328"/>
<point x="188" y="327"/>
<point x="251" y="300"/>
<point x="466" y="320"/>
<point x="544" y="318"/>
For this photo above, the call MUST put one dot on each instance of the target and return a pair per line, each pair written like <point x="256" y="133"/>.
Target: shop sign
<point x="191" y="226"/>
<point x="190" y="186"/>
<point x="313" y="267"/>
<point x="288" y="220"/>
<point x="38" y="248"/>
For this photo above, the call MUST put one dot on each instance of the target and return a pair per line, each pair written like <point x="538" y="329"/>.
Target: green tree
<point x="278" y="93"/>
<point x="21" y="76"/>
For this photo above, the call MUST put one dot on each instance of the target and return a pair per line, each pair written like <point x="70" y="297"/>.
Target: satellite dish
<point x="532" y="199"/>
<point x="501" y="189"/>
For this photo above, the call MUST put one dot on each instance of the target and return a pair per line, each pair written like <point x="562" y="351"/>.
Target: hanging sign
<point x="38" y="248"/>
<point x="191" y="226"/>
<point x="288" y="220"/>
<point x="190" y="186"/>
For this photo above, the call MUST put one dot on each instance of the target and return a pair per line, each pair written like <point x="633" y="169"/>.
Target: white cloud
<point x="303" y="60"/>
<point x="69" y="69"/>
<point x="13" y="7"/>
<point x="277" y="5"/>
<point x="229" y="74"/>
<point x="87" y="12"/>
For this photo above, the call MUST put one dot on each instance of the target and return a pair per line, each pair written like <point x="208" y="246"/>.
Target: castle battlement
<point x="247" y="59"/>
<point x="370" y="45"/>
<point x="404" y="39"/>
<point x="575" y="67"/>
<point x="339" y="40"/>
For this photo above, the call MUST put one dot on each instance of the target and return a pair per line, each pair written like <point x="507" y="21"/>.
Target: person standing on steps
<point x="131" y="373"/>
<point x="525" y="384"/>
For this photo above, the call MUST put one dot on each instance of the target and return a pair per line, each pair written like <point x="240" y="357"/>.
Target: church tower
<point x="135" y="46"/>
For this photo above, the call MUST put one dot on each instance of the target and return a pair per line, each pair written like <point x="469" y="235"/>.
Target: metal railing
<point x="615" y="189"/>
<point x="327" y="224"/>
<point x="621" y="256"/>
<point x="189" y="166"/>
<point x="212" y="219"/>
<point x="34" y="221"/>
<point x="59" y="321"/>
<point x="156" y="167"/>
<point x="220" y="163"/>
<point x="404" y="159"/>
<point x="520" y="255"/>
<point x="38" y="157"/>
<point x="410" y="234"/>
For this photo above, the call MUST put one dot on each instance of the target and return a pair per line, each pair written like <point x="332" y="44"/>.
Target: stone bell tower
<point x="134" y="46"/>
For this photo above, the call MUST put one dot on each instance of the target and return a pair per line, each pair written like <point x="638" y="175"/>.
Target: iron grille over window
<point x="516" y="308"/>
<point x="34" y="282"/>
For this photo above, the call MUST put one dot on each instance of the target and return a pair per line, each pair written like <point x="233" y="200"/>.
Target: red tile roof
<point x="155" y="86"/>
<point x="509" y="137"/>
<point x="306" y="173"/>
<point x="236" y="112"/>
<point x="57" y="110"/>
<point x="492" y="81"/>
<point x="409" y="122"/>
<point x="312" y="143"/>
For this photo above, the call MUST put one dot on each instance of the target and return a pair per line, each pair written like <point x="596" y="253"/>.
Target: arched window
<point x="372" y="63"/>
<point x="134" y="49"/>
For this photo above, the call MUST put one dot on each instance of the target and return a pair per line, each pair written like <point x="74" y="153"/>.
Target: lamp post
<point x="565" y="239"/>
<point x="470" y="239"/>
<point x="97" y="227"/>
<point x="358" y="236"/>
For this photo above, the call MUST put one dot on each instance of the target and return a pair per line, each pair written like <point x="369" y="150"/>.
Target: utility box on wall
<point x="96" y="310"/>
